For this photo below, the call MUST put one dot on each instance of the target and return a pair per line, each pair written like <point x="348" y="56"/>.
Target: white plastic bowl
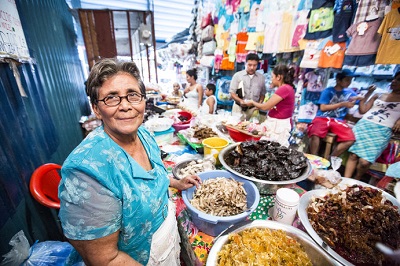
<point x="159" y="124"/>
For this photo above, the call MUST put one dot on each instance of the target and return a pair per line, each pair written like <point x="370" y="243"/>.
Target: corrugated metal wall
<point x="44" y="127"/>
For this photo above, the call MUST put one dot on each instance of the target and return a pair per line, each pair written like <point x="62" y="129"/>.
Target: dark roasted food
<point x="353" y="220"/>
<point x="266" y="160"/>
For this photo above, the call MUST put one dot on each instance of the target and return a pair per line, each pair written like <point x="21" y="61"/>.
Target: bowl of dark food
<point x="184" y="117"/>
<point x="263" y="242"/>
<point x="222" y="200"/>
<point x="348" y="221"/>
<point x="266" y="163"/>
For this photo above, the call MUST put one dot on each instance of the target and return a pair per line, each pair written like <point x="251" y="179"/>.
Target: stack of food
<point x="352" y="220"/>
<point x="266" y="160"/>
<point x="220" y="196"/>
<point x="262" y="246"/>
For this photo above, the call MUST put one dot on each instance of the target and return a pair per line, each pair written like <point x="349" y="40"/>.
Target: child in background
<point x="176" y="90"/>
<point x="210" y="104"/>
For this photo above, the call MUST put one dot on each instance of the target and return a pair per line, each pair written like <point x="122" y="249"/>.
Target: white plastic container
<point x="164" y="137"/>
<point x="285" y="208"/>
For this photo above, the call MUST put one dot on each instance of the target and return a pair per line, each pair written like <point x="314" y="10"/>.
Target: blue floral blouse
<point x="103" y="190"/>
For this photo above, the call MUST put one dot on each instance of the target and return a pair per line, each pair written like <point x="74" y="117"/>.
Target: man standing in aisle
<point x="247" y="85"/>
<point x="334" y="104"/>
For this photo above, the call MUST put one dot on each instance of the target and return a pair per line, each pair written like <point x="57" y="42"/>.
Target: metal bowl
<point x="264" y="186"/>
<point x="314" y="252"/>
<point x="307" y="197"/>
<point x="179" y="166"/>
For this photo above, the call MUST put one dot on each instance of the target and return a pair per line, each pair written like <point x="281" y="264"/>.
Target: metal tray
<point x="302" y="212"/>
<point x="265" y="187"/>
<point x="314" y="252"/>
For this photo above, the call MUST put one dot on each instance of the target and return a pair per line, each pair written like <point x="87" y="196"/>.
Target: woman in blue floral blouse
<point x="114" y="190"/>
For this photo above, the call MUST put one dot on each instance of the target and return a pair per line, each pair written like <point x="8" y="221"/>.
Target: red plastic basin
<point x="240" y="136"/>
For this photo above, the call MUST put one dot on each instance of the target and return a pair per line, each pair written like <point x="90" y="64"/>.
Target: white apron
<point x="278" y="130"/>
<point x="165" y="249"/>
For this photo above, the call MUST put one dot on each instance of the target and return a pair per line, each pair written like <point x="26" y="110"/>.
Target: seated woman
<point x="374" y="130"/>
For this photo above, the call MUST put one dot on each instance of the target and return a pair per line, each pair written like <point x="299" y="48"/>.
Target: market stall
<point x="185" y="150"/>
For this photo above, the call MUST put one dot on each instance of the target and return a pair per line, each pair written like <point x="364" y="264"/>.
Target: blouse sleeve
<point x="88" y="209"/>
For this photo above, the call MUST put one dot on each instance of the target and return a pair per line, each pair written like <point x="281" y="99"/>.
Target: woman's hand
<point x="186" y="182"/>
<point x="371" y="89"/>
<point x="396" y="126"/>
<point x="248" y="103"/>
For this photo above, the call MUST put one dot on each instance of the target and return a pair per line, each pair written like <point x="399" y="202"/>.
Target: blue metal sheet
<point x="43" y="127"/>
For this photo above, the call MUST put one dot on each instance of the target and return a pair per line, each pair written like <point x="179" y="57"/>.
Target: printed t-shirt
<point x="364" y="38"/>
<point x="331" y="96"/>
<point x="332" y="55"/>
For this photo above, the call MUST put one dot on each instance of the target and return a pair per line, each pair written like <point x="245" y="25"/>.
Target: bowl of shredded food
<point x="350" y="219"/>
<point x="263" y="242"/>
<point x="222" y="200"/>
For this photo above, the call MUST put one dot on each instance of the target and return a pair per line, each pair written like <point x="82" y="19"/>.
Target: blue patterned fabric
<point x="103" y="190"/>
<point x="371" y="140"/>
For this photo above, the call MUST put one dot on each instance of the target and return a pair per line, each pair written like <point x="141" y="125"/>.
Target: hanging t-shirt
<point x="364" y="38"/>
<point x="272" y="33"/>
<point x="255" y="41"/>
<point x="342" y="20"/>
<point x="319" y="28"/>
<point x="320" y="19"/>
<point x="369" y="9"/>
<point x="312" y="53"/>
<point x="332" y="55"/>
<point x="389" y="48"/>
<point x="241" y="52"/>
<point x="254" y="12"/>
<point x="300" y="28"/>
<point x="315" y="80"/>
<point x="285" y="40"/>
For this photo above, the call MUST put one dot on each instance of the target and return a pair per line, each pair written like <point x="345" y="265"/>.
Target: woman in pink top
<point x="280" y="106"/>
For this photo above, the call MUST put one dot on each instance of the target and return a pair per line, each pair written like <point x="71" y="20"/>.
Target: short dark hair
<point x="252" y="56"/>
<point x="107" y="68"/>
<point x="211" y="87"/>
<point x="192" y="73"/>
<point x="345" y="73"/>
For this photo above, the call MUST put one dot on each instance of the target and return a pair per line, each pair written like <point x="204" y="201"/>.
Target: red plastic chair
<point x="44" y="185"/>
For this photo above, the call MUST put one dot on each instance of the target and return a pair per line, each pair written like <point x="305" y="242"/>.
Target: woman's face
<point x="275" y="80"/>
<point x="395" y="84"/>
<point x="189" y="79"/>
<point x="124" y="119"/>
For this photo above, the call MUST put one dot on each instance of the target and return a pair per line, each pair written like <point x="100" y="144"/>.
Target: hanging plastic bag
<point x="41" y="253"/>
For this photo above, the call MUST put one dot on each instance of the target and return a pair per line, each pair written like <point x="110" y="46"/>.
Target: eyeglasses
<point x="114" y="100"/>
